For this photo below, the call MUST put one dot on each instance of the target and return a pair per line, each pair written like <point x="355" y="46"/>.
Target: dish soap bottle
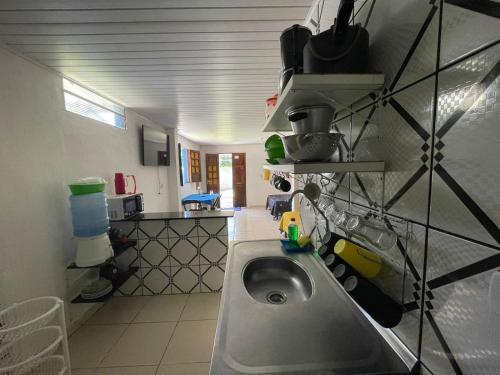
<point x="293" y="230"/>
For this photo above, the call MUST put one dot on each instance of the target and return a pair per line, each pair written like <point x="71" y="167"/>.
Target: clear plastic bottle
<point x="293" y="230"/>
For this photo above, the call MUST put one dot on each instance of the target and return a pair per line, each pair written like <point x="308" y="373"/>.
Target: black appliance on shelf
<point x="343" y="48"/>
<point x="292" y="41"/>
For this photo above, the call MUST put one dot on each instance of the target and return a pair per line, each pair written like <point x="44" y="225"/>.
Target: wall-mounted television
<point x="155" y="147"/>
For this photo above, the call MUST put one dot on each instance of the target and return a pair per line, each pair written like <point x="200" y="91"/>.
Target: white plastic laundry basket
<point x="24" y="354"/>
<point x="25" y="317"/>
<point x="53" y="365"/>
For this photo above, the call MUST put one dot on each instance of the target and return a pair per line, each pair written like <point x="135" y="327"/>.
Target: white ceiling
<point x="205" y="66"/>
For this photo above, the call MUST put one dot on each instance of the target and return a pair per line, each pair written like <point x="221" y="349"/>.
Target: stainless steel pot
<point x="318" y="146"/>
<point x="313" y="118"/>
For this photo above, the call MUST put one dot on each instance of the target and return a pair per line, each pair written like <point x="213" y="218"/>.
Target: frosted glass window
<point x="86" y="103"/>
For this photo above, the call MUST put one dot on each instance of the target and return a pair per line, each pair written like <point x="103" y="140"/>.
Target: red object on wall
<point x="119" y="183"/>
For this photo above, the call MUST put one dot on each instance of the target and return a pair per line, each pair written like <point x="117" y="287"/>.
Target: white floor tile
<point x="162" y="309"/>
<point x="141" y="344"/>
<point x="82" y="371"/>
<point x="184" y="369"/>
<point x="90" y="344"/>
<point x="134" y="370"/>
<point x="192" y="342"/>
<point x="202" y="306"/>
<point x="118" y="310"/>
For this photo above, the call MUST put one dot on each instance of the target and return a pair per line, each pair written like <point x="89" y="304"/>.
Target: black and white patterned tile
<point x="184" y="251"/>
<point x="212" y="277"/>
<point x="213" y="249"/>
<point x="466" y="179"/>
<point x="152" y="229"/>
<point x="132" y="287"/>
<point x="182" y="228"/>
<point x="185" y="279"/>
<point x="156" y="281"/>
<point x="212" y="227"/>
<point x="154" y="252"/>
<point x="461" y="333"/>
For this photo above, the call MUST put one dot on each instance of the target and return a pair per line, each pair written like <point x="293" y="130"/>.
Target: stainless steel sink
<point x="285" y="314"/>
<point x="277" y="281"/>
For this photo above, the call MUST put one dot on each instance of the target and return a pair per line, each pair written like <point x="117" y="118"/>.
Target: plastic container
<point x="26" y="353"/>
<point x="22" y="318"/>
<point x="89" y="214"/>
<point x="293" y="230"/>
<point x="368" y="264"/>
<point x="88" y="185"/>
<point x="91" y="251"/>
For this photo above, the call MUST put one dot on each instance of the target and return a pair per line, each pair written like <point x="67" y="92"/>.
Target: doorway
<point x="226" y="174"/>
<point x="226" y="180"/>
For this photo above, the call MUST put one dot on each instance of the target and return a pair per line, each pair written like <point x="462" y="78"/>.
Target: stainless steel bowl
<point x="312" y="118"/>
<point x="318" y="146"/>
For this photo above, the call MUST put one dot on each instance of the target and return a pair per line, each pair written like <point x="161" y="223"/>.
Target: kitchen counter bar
<point x="177" y="252"/>
<point x="181" y="215"/>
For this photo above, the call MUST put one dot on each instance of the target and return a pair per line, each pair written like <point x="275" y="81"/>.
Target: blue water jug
<point x="89" y="214"/>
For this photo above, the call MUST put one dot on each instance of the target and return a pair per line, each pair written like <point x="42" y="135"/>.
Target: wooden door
<point x="239" y="180"/>
<point x="194" y="157"/>
<point x="212" y="172"/>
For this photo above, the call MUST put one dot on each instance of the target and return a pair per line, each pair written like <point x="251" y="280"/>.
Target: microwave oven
<point x="124" y="206"/>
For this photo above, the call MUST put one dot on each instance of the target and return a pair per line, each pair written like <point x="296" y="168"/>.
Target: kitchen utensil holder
<point x="31" y="332"/>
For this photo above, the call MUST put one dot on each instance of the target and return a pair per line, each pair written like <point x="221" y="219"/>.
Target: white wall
<point x="191" y="187"/>
<point x="43" y="147"/>
<point x="257" y="188"/>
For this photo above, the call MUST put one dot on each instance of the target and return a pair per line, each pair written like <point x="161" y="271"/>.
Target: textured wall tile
<point x="466" y="181"/>
<point x="465" y="30"/>
<point x="461" y="329"/>
<point x="396" y="28"/>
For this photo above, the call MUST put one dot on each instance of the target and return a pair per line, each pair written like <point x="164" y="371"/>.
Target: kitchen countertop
<point x="326" y="334"/>
<point x="181" y="215"/>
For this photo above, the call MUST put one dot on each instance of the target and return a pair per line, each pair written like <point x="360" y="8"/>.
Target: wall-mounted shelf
<point x="306" y="89"/>
<point x="117" y="283"/>
<point x="336" y="167"/>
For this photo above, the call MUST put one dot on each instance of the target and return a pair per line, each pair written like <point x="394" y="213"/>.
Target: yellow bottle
<point x="368" y="264"/>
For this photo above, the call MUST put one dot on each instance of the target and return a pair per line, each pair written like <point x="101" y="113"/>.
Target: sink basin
<point x="277" y="281"/>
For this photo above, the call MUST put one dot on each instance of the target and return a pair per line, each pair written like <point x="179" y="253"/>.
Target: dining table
<point x="208" y="199"/>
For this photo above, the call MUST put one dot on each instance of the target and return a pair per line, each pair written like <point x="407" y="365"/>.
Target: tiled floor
<point x="162" y="335"/>
<point x="159" y="335"/>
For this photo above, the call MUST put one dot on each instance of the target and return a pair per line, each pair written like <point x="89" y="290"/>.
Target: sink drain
<point x="276" y="297"/>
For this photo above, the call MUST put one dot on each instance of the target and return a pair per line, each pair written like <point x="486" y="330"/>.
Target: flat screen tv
<point x="155" y="147"/>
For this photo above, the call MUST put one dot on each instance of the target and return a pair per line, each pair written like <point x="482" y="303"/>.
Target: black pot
<point x="292" y="43"/>
<point x="340" y="49"/>
<point x="285" y="186"/>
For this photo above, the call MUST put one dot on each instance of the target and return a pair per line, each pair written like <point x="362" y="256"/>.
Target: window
<point x="86" y="103"/>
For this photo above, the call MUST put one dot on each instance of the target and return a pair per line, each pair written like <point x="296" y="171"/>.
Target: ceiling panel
<point x="204" y="66"/>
